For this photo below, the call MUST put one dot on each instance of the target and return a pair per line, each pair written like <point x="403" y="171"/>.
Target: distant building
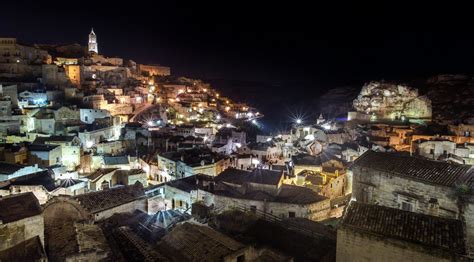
<point x="94" y="206"/>
<point x="105" y="178"/>
<point x="260" y="191"/>
<point x="44" y="155"/>
<point x="21" y="219"/>
<point x="174" y="165"/>
<point x="93" y="45"/>
<point x="10" y="171"/>
<point x="433" y="149"/>
<point x="153" y="70"/>
<point x="70" y="149"/>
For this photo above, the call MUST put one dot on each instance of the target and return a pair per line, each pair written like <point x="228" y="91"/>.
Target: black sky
<point x="265" y="42"/>
<point x="307" y="46"/>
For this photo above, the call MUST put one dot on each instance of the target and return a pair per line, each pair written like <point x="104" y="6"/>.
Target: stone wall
<point x="140" y="204"/>
<point x="316" y="211"/>
<point x="18" y="231"/>
<point x="385" y="189"/>
<point x="354" y="246"/>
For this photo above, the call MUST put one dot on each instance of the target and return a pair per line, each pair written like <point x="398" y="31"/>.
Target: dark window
<point x="241" y="258"/>
<point x="431" y="151"/>
<point x="291" y="214"/>
<point x="407" y="206"/>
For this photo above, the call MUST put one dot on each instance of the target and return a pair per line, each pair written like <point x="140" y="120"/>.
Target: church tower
<point x="93" y="42"/>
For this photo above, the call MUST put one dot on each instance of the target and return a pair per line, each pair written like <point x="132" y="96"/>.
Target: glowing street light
<point x="299" y="121"/>
<point x="254" y="121"/>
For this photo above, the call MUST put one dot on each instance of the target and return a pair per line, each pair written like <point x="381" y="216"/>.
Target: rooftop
<point x="105" y="199"/>
<point x="6" y="168"/>
<point x="435" y="172"/>
<point x="19" y="206"/>
<point x="41" y="178"/>
<point x="42" y="147"/>
<point x="189" y="183"/>
<point x="99" y="173"/>
<point x="286" y="194"/>
<point x="42" y="140"/>
<point x="116" y="160"/>
<point x="198" y="243"/>
<point x="430" y="231"/>
<point x="310" y="160"/>
<point x="258" y="176"/>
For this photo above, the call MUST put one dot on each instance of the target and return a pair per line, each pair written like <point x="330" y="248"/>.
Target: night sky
<point x="308" y="48"/>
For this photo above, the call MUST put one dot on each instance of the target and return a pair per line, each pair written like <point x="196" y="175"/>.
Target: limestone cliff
<point x="392" y="101"/>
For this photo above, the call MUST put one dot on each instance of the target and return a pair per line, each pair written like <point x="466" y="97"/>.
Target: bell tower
<point x="93" y="42"/>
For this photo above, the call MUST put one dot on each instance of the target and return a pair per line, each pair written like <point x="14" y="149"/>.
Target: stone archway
<point x="60" y="213"/>
<point x="62" y="209"/>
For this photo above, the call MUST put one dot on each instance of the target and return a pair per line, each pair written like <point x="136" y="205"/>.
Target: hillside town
<point x="107" y="159"/>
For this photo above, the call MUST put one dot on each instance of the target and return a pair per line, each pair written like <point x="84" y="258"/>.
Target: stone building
<point x="94" y="206"/>
<point x="153" y="70"/>
<point x="78" y="242"/>
<point x="174" y="165"/>
<point x="415" y="184"/>
<point x="44" y="155"/>
<point x="378" y="233"/>
<point x="11" y="171"/>
<point x="21" y="219"/>
<point x="433" y="149"/>
<point x="409" y="183"/>
<point x="260" y="191"/>
<point x="105" y="178"/>
<point x="70" y="149"/>
<point x="193" y="242"/>
<point x="90" y="115"/>
<point x="306" y="162"/>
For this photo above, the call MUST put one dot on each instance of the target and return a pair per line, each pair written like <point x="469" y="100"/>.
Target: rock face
<point x="337" y="102"/>
<point x="392" y="101"/>
<point x="452" y="97"/>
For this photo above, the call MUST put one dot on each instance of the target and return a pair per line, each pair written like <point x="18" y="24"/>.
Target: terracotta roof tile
<point x="403" y="225"/>
<point x="434" y="172"/>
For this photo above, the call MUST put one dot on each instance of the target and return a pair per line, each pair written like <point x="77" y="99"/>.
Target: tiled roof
<point x="198" y="243"/>
<point x="189" y="183"/>
<point x="408" y="226"/>
<point x="258" y="176"/>
<point x="310" y="160"/>
<point x="116" y="160"/>
<point x="105" y="199"/>
<point x="42" y="140"/>
<point x="435" y="172"/>
<point x="289" y="194"/>
<point x="6" y="168"/>
<point x="100" y="172"/>
<point x="41" y="178"/>
<point x="16" y="207"/>
<point x="41" y="147"/>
